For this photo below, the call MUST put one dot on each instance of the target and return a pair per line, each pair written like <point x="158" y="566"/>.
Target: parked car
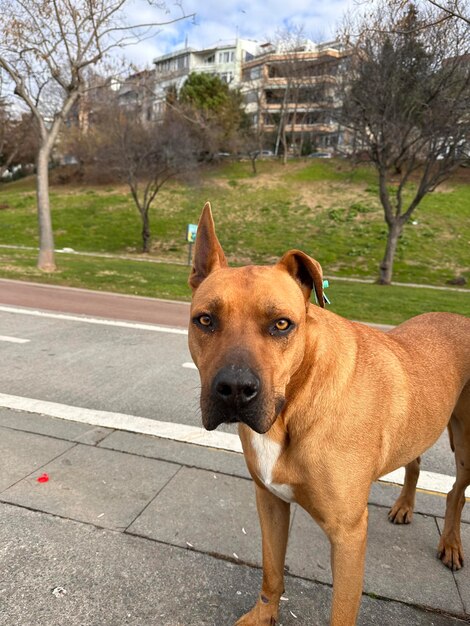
<point x="263" y="154"/>
<point x="320" y="155"/>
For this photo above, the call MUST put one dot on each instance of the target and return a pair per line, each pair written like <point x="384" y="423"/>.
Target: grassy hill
<point x="325" y="208"/>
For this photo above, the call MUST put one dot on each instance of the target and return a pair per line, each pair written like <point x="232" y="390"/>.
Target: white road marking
<point x="13" y="339"/>
<point x="95" y="320"/>
<point x="121" y="421"/>
<point x="428" y="481"/>
<point x="189" y="366"/>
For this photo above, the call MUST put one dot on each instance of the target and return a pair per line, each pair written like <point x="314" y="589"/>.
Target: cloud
<point x="219" y="20"/>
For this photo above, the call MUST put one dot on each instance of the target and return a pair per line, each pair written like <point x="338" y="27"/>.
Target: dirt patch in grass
<point x="261" y="181"/>
<point x="326" y="195"/>
<point x="106" y="273"/>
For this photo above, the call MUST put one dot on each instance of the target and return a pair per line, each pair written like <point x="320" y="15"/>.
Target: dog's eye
<point x="281" y="327"/>
<point x="205" y="320"/>
<point x="282" y="324"/>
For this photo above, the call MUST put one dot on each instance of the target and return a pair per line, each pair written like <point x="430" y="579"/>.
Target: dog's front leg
<point x="348" y="550"/>
<point x="274" y="515"/>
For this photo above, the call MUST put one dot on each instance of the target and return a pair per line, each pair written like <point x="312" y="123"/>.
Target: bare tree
<point x="143" y="155"/>
<point x="253" y="91"/>
<point x="450" y="9"/>
<point x="46" y="47"/>
<point x="406" y="98"/>
<point x="454" y="8"/>
<point x="251" y="143"/>
<point x="300" y="93"/>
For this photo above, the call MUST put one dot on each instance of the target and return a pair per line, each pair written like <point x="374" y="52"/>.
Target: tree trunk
<point x="284" y="143"/>
<point x="46" y="261"/>
<point x="386" y="267"/>
<point x="145" y="232"/>
<point x="253" y="166"/>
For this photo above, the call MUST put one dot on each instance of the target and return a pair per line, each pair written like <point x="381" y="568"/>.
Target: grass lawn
<point x="324" y="207"/>
<point x="366" y="302"/>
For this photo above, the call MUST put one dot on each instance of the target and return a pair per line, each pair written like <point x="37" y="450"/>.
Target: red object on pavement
<point x="43" y="478"/>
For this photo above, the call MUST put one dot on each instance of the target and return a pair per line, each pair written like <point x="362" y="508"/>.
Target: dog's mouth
<point x="259" y="418"/>
<point x="237" y="393"/>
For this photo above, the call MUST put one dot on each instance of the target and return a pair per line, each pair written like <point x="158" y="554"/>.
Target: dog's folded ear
<point x="306" y="271"/>
<point x="208" y="253"/>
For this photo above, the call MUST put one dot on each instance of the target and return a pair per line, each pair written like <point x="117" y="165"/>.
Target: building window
<point x="210" y="59"/>
<point x="227" y="77"/>
<point x="251" y="96"/>
<point x="252" y="73"/>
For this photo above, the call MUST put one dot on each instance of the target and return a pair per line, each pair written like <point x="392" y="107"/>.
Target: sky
<point x="222" y="20"/>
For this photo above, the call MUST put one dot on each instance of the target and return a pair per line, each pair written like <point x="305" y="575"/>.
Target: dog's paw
<point x="450" y="553"/>
<point x="401" y="512"/>
<point x="262" y="614"/>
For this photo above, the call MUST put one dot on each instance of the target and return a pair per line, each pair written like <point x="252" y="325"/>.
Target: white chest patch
<point x="267" y="453"/>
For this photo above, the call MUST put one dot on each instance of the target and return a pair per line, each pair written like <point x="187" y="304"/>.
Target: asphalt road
<point x="120" y="369"/>
<point x="131" y="369"/>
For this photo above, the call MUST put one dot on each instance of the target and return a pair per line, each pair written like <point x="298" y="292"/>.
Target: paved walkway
<point x="94" y="303"/>
<point x="132" y="529"/>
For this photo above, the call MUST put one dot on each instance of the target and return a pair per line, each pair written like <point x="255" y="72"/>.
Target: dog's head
<point x="247" y="330"/>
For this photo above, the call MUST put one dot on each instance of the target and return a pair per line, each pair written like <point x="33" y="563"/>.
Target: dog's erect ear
<point x="208" y="253"/>
<point x="306" y="271"/>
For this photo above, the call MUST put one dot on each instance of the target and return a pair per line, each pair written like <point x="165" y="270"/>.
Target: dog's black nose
<point x="236" y="386"/>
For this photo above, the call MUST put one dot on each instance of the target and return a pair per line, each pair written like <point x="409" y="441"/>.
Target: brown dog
<point x="325" y="406"/>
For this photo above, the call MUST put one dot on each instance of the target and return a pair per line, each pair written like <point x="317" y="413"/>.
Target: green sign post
<point x="191" y="231"/>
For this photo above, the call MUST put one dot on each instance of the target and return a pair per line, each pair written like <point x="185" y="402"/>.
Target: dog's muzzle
<point x="235" y="395"/>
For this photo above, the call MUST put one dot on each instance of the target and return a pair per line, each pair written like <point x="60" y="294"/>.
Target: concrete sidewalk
<point x="131" y="529"/>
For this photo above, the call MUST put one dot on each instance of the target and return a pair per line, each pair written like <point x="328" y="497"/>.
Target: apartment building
<point x="291" y="96"/>
<point x="134" y="94"/>
<point x="137" y="94"/>
<point x="224" y="59"/>
<point x="291" y="93"/>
